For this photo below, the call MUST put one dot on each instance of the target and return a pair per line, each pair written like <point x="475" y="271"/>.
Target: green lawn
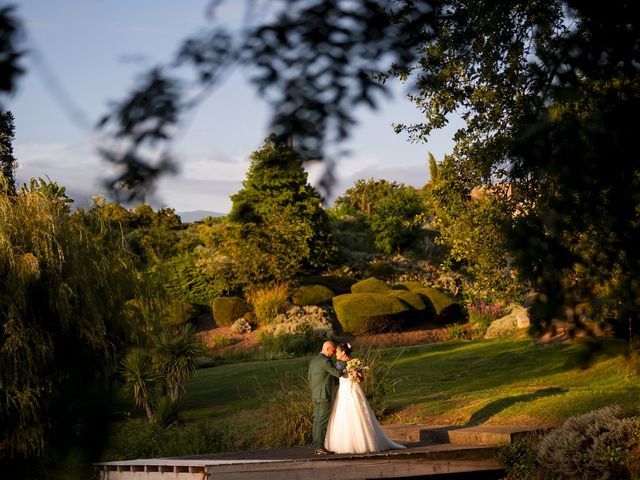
<point x="499" y="381"/>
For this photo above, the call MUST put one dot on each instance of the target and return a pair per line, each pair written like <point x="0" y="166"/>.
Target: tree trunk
<point x="147" y="407"/>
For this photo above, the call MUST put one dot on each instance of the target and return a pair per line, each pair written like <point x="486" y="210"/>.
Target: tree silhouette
<point x="7" y="160"/>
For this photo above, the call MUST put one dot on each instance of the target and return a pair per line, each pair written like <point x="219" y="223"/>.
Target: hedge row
<point x="375" y="307"/>
<point x="372" y="306"/>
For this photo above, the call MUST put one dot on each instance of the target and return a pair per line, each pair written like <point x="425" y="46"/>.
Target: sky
<point x="84" y="54"/>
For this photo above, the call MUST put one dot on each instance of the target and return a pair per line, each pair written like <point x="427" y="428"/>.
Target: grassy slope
<point x="500" y="381"/>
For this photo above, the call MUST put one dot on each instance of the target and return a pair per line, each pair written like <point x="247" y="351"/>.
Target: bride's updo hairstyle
<point x="345" y="348"/>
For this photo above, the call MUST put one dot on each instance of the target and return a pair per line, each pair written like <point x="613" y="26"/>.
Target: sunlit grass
<point x="499" y="381"/>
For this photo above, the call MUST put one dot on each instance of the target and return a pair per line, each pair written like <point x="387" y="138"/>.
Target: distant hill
<point x="195" y="215"/>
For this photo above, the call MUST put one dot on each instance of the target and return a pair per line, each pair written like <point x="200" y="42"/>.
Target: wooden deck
<point x="432" y="453"/>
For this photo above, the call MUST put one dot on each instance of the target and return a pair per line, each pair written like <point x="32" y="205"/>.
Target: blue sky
<point x="85" y="53"/>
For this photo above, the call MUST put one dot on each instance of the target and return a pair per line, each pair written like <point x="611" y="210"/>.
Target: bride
<point x="353" y="427"/>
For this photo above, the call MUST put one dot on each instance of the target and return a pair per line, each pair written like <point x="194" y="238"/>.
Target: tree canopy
<point x="542" y="85"/>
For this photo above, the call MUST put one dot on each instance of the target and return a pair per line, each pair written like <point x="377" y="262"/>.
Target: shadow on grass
<point x="492" y="408"/>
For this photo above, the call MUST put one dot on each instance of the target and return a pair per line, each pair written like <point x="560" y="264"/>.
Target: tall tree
<point x="278" y="217"/>
<point x="543" y="87"/>
<point x="7" y="160"/>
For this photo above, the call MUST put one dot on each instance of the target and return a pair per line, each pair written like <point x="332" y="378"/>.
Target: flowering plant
<point x="354" y="369"/>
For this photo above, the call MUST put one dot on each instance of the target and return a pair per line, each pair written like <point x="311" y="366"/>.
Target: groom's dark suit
<point x="323" y="378"/>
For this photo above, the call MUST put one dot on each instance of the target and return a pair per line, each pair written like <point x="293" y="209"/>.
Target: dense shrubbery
<point x="592" y="446"/>
<point x="311" y="295"/>
<point x="299" y="331"/>
<point x="65" y="283"/>
<point x="481" y="315"/>
<point x="519" y="459"/>
<point x="598" y="445"/>
<point x="227" y="310"/>
<point x="140" y="439"/>
<point x="392" y="211"/>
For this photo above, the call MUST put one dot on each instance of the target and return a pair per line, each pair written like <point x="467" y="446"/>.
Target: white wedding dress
<point x="353" y="427"/>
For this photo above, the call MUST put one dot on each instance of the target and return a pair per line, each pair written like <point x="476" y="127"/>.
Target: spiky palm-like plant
<point x="177" y="357"/>
<point x="140" y="377"/>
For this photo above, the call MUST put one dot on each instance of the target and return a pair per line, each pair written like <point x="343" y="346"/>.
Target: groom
<point x="323" y="377"/>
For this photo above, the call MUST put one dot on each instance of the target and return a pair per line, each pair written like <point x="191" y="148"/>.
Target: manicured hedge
<point x="311" y="295"/>
<point x="335" y="283"/>
<point x="227" y="310"/>
<point x="447" y="310"/>
<point x="370" y="285"/>
<point x="421" y="308"/>
<point x="409" y="285"/>
<point x="365" y="313"/>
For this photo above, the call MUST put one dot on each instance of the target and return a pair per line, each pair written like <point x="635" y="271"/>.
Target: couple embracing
<point x="343" y="421"/>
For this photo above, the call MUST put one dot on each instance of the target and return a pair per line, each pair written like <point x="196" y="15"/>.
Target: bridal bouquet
<point x="354" y="369"/>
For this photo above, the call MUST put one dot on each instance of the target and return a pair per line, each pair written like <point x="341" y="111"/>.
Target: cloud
<point x="187" y="194"/>
<point x="347" y="172"/>
<point x="203" y="182"/>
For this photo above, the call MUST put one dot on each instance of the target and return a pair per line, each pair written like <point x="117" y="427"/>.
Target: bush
<point x="269" y="302"/>
<point x="447" y="310"/>
<point x="241" y="325"/>
<point x="140" y="439"/>
<point x="364" y="313"/>
<point x="298" y="318"/>
<point x="458" y="332"/>
<point x="519" y="459"/>
<point x="481" y="315"/>
<point x="219" y="341"/>
<point x="167" y="410"/>
<point x="370" y="285"/>
<point x="311" y="295"/>
<point x="422" y="311"/>
<point x="300" y="331"/>
<point x="595" y="445"/>
<point x="337" y="284"/>
<point x="227" y="310"/>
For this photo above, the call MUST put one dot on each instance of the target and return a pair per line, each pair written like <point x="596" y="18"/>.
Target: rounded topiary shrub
<point x="421" y="309"/>
<point x="337" y="284"/>
<point x="370" y="285"/>
<point x="446" y="309"/>
<point x="364" y="313"/>
<point x="409" y="285"/>
<point x="311" y="295"/>
<point x="227" y="310"/>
